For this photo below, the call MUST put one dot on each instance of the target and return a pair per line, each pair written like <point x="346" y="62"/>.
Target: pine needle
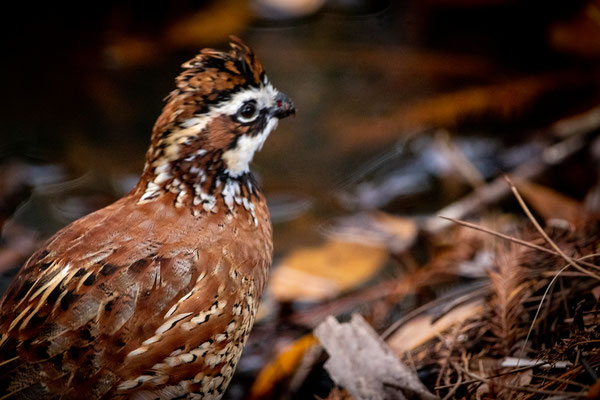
<point x="568" y="259"/>
<point x="511" y="238"/>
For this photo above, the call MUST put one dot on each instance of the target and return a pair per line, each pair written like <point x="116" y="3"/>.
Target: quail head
<point x="153" y="296"/>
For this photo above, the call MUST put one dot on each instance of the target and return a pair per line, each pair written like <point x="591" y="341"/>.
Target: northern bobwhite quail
<point x="153" y="296"/>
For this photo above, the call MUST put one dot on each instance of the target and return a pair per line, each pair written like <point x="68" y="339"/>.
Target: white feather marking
<point x="18" y="318"/>
<point x="51" y="283"/>
<point x="197" y="121"/>
<point x="180" y="198"/>
<point x="220" y="337"/>
<point x="133" y="383"/>
<point x="238" y="158"/>
<point x="172" y="361"/>
<point x="187" y="296"/>
<point x="128" y="385"/>
<point x="187" y="358"/>
<point x="162" y="177"/>
<point x="152" y="340"/>
<point x="198" y="377"/>
<point x="159" y="366"/>
<point x="171" y="311"/>
<point x="171" y="322"/>
<point x="138" y="351"/>
<point x="162" y="168"/>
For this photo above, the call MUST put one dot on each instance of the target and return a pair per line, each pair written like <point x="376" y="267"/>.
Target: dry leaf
<point x="402" y="230"/>
<point x="422" y="329"/>
<point x="281" y="367"/>
<point x="596" y="293"/>
<point x="551" y="204"/>
<point x="361" y="362"/>
<point x="324" y="272"/>
<point x="496" y="387"/>
<point x="378" y="229"/>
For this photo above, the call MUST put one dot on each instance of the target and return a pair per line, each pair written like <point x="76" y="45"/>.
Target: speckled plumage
<point x="154" y="295"/>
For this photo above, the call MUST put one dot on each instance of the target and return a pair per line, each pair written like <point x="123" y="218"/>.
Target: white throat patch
<point x="238" y="159"/>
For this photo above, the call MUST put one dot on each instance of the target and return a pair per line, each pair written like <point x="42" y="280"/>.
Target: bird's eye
<point x="248" y="111"/>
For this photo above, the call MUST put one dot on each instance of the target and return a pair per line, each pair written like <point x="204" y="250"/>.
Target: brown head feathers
<point x="213" y="75"/>
<point x="220" y="114"/>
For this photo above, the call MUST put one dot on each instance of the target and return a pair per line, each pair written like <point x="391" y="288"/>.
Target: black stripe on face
<point x="255" y="126"/>
<point x="259" y="124"/>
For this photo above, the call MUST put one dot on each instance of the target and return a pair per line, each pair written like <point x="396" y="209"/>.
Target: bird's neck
<point x="198" y="180"/>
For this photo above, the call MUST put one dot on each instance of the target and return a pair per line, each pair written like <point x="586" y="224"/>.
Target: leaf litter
<point x="503" y="305"/>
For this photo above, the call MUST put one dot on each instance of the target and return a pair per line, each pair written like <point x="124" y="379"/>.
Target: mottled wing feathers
<point x="198" y="345"/>
<point x="123" y="301"/>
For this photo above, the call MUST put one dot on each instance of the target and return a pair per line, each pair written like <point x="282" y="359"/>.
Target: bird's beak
<point x="283" y="106"/>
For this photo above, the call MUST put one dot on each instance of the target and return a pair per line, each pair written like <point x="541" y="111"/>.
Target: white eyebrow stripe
<point x="264" y="96"/>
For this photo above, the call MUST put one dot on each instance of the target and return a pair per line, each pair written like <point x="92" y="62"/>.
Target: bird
<point x="153" y="296"/>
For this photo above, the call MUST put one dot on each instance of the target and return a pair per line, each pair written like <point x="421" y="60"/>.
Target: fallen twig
<point x="572" y="129"/>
